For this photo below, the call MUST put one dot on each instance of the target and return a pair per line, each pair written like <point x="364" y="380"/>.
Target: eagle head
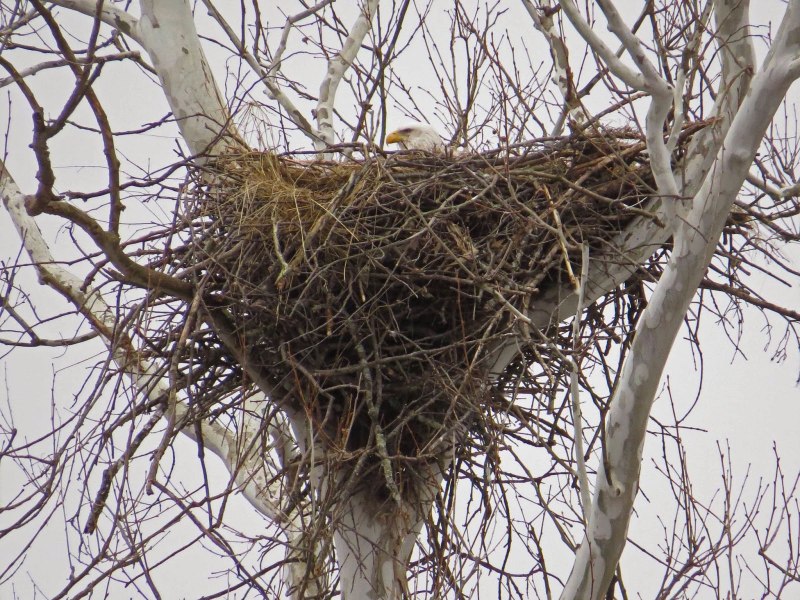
<point x="417" y="136"/>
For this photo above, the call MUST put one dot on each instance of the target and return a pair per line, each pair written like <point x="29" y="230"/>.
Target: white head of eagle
<point x="417" y="136"/>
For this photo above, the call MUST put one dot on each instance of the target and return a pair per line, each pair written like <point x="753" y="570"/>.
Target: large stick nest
<point x="374" y="292"/>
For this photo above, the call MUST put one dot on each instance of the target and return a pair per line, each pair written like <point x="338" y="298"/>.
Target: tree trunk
<point x="374" y="537"/>
<point x="373" y="541"/>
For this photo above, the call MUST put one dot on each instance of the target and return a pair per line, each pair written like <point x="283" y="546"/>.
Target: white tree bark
<point x="167" y="32"/>
<point x="268" y="77"/>
<point x="374" y="540"/>
<point x="373" y="549"/>
<point x="695" y="241"/>
<point x="542" y="16"/>
<point x="337" y="67"/>
<point x="117" y="18"/>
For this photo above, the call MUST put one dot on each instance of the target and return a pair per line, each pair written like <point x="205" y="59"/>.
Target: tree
<point x="380" y="500"/>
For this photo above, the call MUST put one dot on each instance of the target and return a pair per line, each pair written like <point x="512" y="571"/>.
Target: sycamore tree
<point x="185" y="452"/>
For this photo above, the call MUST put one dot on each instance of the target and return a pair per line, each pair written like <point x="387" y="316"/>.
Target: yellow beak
<point x="395" y="138"/>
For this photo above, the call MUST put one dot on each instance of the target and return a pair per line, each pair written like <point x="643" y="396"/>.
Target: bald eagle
<point x="417" y="136"/>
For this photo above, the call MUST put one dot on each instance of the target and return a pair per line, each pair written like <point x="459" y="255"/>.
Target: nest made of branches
<point x="374" y="293"/>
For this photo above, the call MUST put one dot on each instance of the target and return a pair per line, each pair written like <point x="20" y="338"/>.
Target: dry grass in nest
<point x="373" y="292"/>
